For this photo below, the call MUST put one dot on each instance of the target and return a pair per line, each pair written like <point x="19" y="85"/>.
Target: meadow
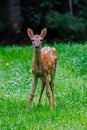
<point x="70" y="90"/>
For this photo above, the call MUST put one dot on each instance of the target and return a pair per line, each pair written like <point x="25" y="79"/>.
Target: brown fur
<point x="43" y="67"/>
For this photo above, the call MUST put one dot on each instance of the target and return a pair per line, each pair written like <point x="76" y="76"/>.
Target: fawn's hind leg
<point x="48" y="91"/>
<point x="52" y="89"/>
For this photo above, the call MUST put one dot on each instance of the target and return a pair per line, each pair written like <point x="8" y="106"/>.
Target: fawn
<point x="43" y="66"/>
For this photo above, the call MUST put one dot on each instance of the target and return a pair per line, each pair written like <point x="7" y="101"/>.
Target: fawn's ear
<point x="43" y="33"/>
<point x="30" y="33"/>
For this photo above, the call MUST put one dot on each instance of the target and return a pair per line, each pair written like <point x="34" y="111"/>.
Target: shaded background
<point x="66" y="20"/>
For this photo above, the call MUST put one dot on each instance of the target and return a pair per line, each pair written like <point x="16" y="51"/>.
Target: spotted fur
<point x="43" y="66"/>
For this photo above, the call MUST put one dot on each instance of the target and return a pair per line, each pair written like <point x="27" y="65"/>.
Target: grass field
<point x="70" y="90"/>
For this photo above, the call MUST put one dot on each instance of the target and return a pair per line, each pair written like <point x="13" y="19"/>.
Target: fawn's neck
<point x="38" y="61"/>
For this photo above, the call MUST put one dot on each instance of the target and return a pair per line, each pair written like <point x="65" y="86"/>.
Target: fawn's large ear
<point x="30" y="33"/>
<point x="43" y="33"/>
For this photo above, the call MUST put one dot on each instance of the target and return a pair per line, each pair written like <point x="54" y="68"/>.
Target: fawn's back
<point x="49" y="57"/>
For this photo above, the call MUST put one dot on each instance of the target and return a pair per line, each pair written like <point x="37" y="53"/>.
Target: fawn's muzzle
<point x="37" y="44"/>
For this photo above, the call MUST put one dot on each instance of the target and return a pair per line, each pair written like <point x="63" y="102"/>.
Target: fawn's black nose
<point x="37" y="47"/>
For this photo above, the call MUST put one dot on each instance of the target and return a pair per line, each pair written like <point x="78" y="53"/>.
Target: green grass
<point x="70" y="90"/>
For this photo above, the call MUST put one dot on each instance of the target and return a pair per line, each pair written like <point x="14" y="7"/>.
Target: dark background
<point x="65" y="20"/>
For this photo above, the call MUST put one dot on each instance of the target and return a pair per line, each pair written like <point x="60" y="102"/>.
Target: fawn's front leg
<point x="41" y="92"/>
<point x="34" y="85"/>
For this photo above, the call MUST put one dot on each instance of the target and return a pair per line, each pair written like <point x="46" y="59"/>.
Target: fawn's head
<point x="36" y="39"/>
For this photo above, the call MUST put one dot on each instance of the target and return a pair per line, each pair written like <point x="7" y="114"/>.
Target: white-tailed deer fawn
<point x="43" y="66"/>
